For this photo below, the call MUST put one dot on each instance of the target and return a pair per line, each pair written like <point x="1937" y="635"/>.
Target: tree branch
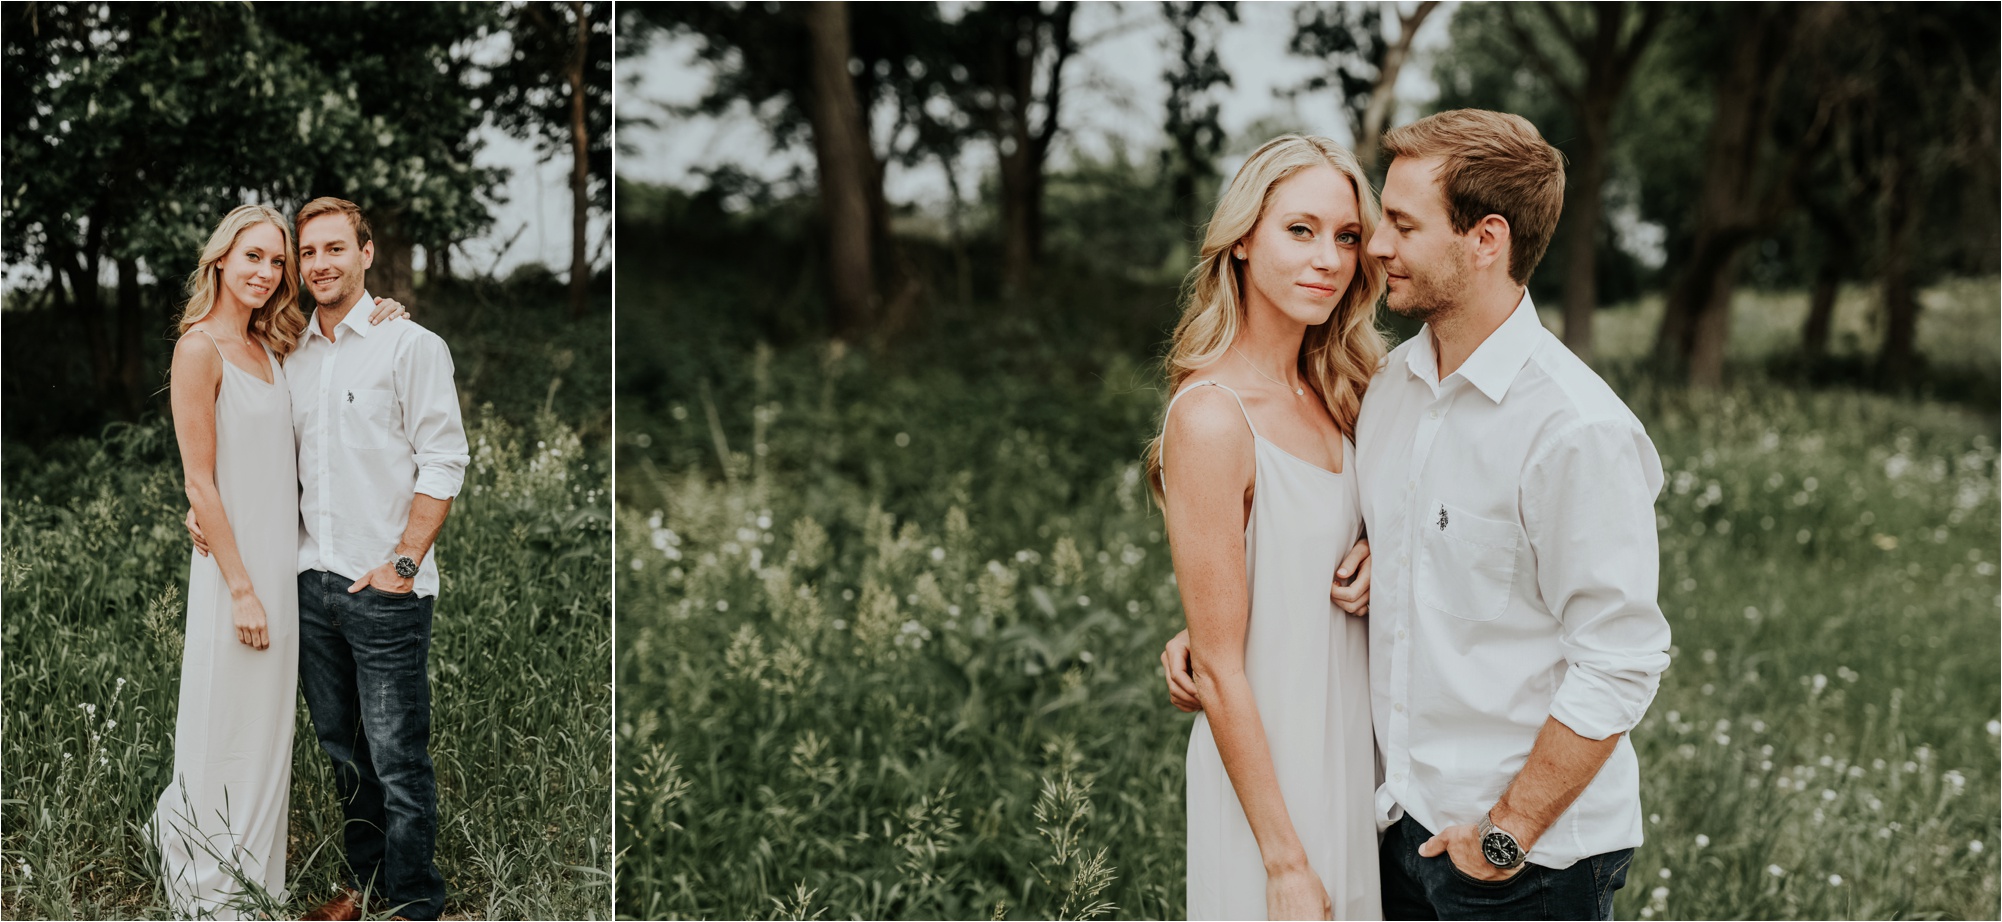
<point x="1563" y="30"/>
<point x="1537" y="60"/>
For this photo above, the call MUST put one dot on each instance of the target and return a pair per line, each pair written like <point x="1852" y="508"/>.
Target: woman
<point x="221" y="823"/>
<point x="1253" y="468"/>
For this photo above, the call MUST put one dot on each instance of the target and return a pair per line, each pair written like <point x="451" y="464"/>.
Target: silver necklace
<point x="1297" y="391"/>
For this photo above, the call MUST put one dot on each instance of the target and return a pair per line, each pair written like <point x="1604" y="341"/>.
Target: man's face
<point x="331" y="263"/>
<point x="1427" y="262"/>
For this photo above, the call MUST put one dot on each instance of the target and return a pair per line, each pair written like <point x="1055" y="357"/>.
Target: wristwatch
<point x="405" y="567"/>
<point x="1498" y="846"/>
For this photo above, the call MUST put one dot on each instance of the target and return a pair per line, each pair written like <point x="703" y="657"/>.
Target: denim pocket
<point x="1472" y="881"/>
<point x="393" y="596"/>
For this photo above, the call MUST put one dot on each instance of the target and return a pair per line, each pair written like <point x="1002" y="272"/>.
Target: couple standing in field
<point x="1461" y="752"/>
<point x="320" y="456"/>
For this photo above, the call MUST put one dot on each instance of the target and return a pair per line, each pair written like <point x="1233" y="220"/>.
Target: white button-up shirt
<point x="376" y="420"/>
<point x="1510" y="511"/>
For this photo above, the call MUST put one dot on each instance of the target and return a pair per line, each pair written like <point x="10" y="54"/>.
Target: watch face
<point x="1500" y="850"/>
<point x="405" y="567"/>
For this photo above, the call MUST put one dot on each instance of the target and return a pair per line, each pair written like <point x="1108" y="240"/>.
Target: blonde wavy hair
<point x="278" y="322"/>
<point x="1338" y="356"/>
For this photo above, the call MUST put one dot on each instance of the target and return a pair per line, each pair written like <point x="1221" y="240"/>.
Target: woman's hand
<point x="1296" y="893"/>
<point x="248" y="613"/>
<point x="1351" y="589"/>
<point x="386" y="309"/>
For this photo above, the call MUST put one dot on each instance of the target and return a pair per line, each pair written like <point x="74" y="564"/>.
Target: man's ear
<point x="1492" y="241"/>
<point x="368" y="254"/>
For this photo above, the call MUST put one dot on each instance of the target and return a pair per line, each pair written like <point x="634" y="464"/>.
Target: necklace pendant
<point x="1299" y="392"/>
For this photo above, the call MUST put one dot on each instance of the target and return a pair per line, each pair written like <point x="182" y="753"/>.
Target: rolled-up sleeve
<point x="1588" y="504"/>
<point x="430" y="405"/>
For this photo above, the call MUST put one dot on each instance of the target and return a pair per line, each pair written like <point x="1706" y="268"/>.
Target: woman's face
<point x="255" y="265"/>
<point x="1301" y="255"/>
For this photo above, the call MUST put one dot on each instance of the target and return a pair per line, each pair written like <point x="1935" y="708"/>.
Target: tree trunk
<point x="842" y="155"/>
<point x="1383" y="97"/>
<point x="1821" y="310"/>
<point x="1017" y="154"/>
<point x="1609" y="63"/>
<point x="1712" y="326"/>
<point x="1020" y="216"/>
<point x="393" y="275"/>
<point x="1581" y="279"/>
<point x="1707" y="267"/>
<point x="1902" y="213"/>
<point x="580" y="168"/>
<point x="131" y="339"/>
<point x="437" y="262"/>
<point x="1730" y="207"/>
<point x="1026" y="145"/>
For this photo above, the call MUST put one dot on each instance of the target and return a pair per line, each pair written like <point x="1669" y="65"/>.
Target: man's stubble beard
<point x="339" y="298"/>
<point x="1429" y="298"/>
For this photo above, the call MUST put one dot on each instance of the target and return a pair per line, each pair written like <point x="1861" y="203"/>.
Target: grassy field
<point x="94" y="573"/>
<point x="889" y="625"/>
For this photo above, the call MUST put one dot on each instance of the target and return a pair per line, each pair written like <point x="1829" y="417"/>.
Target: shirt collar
<point x="356" y="319"/>
<point x="1495" y="362"/>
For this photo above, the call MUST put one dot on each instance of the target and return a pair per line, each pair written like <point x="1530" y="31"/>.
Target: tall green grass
<point x="94" y="575"/>
<point x="889" y="632"/>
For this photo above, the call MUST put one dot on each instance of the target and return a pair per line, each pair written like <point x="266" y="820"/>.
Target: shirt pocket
<point x="1466" y="563"/>
<point x="368" y="415"/>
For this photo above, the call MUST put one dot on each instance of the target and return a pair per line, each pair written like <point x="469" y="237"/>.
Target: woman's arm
<point x="195" y="382"/>
<point x="1208" y="471"/>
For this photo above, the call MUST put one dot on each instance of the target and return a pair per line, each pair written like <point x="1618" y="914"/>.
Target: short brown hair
<point x="1495" y="163"/>
<point x="327" y="204"/>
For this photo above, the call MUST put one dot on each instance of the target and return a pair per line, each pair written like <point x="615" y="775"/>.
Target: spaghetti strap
<point x="270" y="358"/>
<point x="1171" y="408"/>
<point x="1223" y="387"/>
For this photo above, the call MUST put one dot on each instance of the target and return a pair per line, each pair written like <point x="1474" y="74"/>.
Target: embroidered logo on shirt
<point x="1442" y="518"/>
<point x="351" y="399"/>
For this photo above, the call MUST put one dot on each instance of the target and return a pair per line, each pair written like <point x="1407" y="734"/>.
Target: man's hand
<point x="1462" y="846"/>
<point x="1351" y="589"/>
<point x="1181" y="677"/>
<point x="195" y="535"/>
<point x="384" y="579"/>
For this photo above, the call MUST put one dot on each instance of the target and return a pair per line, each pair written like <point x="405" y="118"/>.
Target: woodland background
<point x="891" y="590"/>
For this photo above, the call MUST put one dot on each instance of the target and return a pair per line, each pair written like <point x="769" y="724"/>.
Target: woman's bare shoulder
<point x="1206" y="427"/>
<point x="197" y="353"/>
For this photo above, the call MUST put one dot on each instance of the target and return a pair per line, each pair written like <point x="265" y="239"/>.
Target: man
<point x="1508" y="494"/>
<point x="381" y="454"/>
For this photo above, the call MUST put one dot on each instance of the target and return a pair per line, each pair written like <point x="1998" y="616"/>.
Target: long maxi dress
<point x="221" y="822"/>
<point x="1308" y="665"/>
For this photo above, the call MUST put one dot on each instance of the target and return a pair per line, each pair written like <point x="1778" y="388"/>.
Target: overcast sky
<point x="1113" y="91"/>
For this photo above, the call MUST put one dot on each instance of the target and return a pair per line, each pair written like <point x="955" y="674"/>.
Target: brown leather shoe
<point x="344" y="907"/>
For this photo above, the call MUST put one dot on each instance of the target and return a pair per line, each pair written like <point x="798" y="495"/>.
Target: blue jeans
<point x="362" y="666"/>
<point x="1432" y="888"/>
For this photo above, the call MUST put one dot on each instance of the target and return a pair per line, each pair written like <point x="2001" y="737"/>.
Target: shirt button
<point x="1400" y="776"/>
<point x="1398" y="708"/>
<point x="1410" y="485"/>
<point x="1435" y="414"/>
<point x="1403" y="559"/>
<point x="1400" y="635"/>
